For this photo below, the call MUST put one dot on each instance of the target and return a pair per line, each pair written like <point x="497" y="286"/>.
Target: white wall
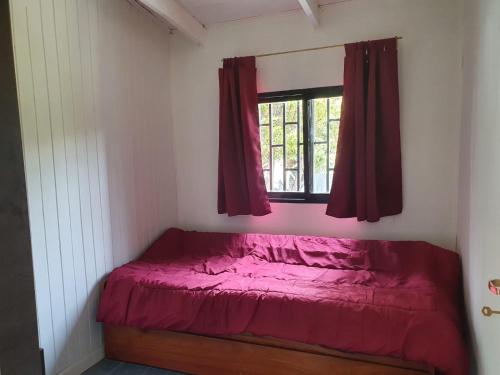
<point x="429" y="90"/>
<point x="479" y="204"/>
<point x="93" y="92"/>
<point x="95" y="80"/>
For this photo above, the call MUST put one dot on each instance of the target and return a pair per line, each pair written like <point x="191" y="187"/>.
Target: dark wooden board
<point x="197" y="354"/>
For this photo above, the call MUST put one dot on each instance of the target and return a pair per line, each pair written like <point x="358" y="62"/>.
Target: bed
<point x="204" y="302"/>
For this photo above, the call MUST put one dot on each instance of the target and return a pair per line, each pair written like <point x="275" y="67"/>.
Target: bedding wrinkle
<point x="384" y="298"/>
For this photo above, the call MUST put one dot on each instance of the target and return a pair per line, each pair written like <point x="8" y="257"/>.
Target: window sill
<point x="312" y="199"/>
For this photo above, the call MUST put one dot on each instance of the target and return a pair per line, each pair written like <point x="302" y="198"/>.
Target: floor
<point x="107" y="366"/>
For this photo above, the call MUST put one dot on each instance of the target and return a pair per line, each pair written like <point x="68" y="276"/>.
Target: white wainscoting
<point x="93" y="92"/>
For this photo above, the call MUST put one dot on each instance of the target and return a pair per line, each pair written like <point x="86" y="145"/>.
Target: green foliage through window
<point x="283" y="130"/>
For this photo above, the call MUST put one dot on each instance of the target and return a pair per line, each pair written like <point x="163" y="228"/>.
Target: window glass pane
<point x="277" y="120"/>
<point x="335" y="107"/>
<point x="330" y="176"/>
<point x="319" y="169"/>
<point x="291" y="109"/>
<point x="334" y="136"/>
<point x="278" y="183"/>
<point x="277" y="134"/>
<point x="273" y="159"/>
<point x="325" y="128"/>
<point x="291" y="180"/>
<point x="277" y="112"/>
<point x="291" y="146"/>
<point x="319" y="119"/>
<point x="264" y="146"/>
<point x="267" y="180"/>
<point x="301" y="147"/>
<point x="264" y="113"/>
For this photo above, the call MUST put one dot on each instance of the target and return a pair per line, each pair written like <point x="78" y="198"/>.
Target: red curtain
<point x="367" y="179"/>
<point x="242" y="190"/>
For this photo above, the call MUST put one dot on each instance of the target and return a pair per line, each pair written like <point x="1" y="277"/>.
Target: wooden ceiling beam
<point x="177" y="17"/>
<point x="311" y="9"/>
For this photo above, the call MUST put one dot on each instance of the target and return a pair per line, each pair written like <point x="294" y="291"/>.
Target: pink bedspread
<point x="400" y="299"/>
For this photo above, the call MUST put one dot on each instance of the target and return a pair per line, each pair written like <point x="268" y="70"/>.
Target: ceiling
<point x="209" y="12"/>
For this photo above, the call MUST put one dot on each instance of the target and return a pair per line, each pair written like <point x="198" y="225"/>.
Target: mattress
<point x="390" y="298"/>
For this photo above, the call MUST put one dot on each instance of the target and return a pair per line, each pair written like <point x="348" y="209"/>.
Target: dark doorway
<point x="19" y="353"/>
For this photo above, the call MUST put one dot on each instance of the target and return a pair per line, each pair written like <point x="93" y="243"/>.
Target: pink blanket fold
<point x="399" y="299"/>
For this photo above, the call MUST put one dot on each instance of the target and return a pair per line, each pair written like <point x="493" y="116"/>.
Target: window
<point x="299" y="130"/>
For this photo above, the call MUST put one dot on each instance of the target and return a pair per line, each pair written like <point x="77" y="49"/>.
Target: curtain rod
<point x="306" y="49"/>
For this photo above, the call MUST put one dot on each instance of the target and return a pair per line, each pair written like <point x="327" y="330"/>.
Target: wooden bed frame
<point x="243" y="354"/>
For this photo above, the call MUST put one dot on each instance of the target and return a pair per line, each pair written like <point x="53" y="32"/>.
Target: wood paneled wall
<point x="93" y="92"/>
